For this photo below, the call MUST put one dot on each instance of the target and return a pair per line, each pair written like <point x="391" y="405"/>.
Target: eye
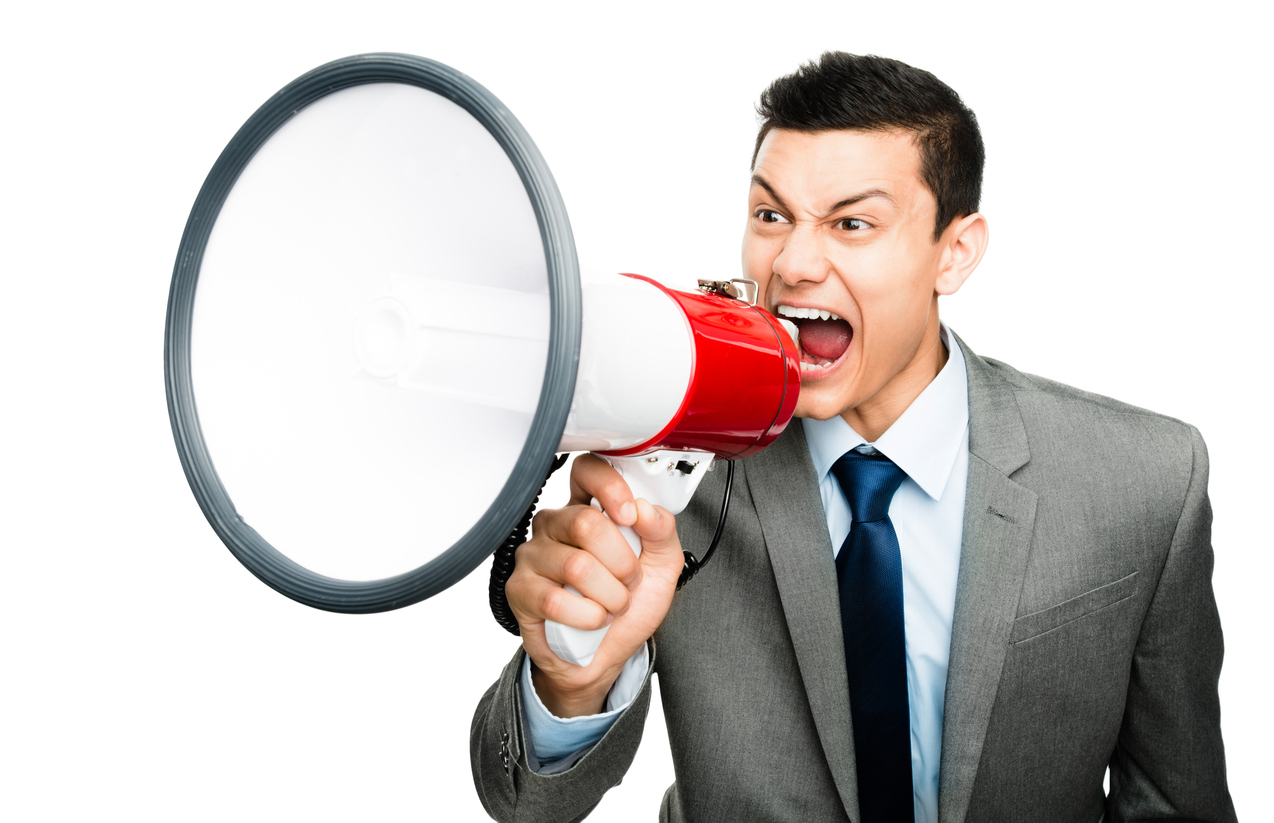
<point x="852" y="224"/>
<point x="770" y="216"/>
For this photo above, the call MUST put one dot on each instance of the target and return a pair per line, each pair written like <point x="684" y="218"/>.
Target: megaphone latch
<point x="740" y="288"/>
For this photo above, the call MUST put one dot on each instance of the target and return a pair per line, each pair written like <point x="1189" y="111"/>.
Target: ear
<point x="964" y="243"/>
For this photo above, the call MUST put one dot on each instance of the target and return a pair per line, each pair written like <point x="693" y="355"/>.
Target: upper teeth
<point x="792" y="330"/>
<point x="807" y="314"/>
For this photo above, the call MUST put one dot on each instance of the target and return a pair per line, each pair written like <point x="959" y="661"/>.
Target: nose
<point x="802" y="258"/>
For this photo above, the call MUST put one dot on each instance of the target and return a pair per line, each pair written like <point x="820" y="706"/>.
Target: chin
<point x="817" y="408"/>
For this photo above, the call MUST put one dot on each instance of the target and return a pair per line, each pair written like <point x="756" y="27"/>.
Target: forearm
<point x="515" y="791"/>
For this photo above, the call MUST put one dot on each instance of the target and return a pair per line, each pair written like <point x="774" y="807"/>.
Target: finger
<point x="594" y="478"/>
<point x="586" y="528"/>
<point x="565" y="564"/>
<point x="534" y="599"/>
<point x="656" y="527"/>
<point x="660" y="545"/>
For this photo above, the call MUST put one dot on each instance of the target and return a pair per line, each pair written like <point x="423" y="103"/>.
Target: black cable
<point x="503" y="562"/>
<point x="502" y="565"/>
<point x="693" y="565"/>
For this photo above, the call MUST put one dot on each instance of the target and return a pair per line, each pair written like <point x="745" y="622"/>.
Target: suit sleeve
<point x="1169" y="762"/>
<point x="501" y="759"/>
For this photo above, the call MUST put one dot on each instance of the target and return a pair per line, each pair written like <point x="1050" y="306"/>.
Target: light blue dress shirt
<point x="930" y="442"/>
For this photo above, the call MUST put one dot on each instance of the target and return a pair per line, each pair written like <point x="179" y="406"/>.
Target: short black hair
<point x="849" y="92"/>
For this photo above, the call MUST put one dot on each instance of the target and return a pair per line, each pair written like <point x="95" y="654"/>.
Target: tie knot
<point x="869" y="482"/>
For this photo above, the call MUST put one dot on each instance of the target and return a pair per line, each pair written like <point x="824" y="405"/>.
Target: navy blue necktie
<point x="869" y="572"/>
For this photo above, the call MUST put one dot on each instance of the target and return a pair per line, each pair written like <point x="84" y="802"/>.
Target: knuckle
<point x="584" y="524"/>
<point x="615" y="486"/>
<point x="520" y="595"/>
<point x="596" y="620"/>
<point x="578" y="567"/>
<point x="516" y="584"/>
<point x="627" y="565"/>
<point x="542" y="519"/>
<point x="552" y="603"/>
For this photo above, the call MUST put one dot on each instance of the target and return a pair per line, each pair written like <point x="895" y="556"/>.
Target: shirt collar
<point x="923" y="442"/>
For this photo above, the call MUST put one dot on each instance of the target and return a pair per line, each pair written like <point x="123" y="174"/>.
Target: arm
<point x="579" y="546"/>
<point x="1169" y="761"/>
<point x="502" y="769"/>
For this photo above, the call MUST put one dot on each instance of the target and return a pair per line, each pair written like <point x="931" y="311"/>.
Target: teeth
<point x="792" y="330"/>
<point x="806" y="314"/>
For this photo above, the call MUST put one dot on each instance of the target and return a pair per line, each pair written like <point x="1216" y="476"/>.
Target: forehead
<point x="821" y="168"/>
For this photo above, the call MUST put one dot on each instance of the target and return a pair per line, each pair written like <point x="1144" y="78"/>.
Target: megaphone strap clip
<point x="740" y="288"/>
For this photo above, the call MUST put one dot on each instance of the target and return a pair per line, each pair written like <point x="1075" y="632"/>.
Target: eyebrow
<point x="848" y="201"/>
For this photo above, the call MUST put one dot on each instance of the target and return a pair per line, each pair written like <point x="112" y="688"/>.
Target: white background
<point x="147" y="676"/>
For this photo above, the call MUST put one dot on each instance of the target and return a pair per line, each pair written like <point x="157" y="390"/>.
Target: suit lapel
<point x="795" y="532"/>
<point x="999" y="518"/>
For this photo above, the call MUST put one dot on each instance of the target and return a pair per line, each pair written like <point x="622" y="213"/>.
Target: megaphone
<point x="377" y="342"/>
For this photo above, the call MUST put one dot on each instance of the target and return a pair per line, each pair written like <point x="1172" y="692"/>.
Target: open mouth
<point x="821" y="336"/>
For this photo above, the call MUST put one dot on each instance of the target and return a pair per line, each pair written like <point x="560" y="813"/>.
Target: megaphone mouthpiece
<point x="702" y="370"/>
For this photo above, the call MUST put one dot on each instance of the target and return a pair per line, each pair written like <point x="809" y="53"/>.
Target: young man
<point x="952" y="591"/>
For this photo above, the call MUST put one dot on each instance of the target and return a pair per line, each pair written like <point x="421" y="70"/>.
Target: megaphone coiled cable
<point x="503" y="562"/>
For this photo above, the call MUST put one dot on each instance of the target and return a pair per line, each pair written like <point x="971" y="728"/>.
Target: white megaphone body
<point x="372" y="370"/>
<point x="669" y="381"/>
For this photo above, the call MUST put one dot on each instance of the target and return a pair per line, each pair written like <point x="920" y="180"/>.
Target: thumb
<point x="657" y="529"/>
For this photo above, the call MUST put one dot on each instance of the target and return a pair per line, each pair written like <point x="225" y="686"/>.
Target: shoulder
<point x="1062" y="418"/>
<point x="1082" y="450"/>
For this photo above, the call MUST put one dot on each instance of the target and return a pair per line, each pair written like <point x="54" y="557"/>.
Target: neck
<point x="875" y="415"/>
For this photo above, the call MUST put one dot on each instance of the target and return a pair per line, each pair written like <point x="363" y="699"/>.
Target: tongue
<point x="825" y="338"/>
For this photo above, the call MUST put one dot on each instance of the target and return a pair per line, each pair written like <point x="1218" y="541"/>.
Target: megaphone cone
<point x="373" y="347"/>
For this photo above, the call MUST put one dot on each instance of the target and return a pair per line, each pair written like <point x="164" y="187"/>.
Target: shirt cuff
<point x="554" y="739"/>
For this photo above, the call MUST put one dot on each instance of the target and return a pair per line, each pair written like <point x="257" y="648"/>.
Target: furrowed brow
<point x="758" y="180"/>
<point x="861" y="196"/>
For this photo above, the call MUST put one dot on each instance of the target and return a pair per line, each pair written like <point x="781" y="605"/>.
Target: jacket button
<point x="504" y="750"/>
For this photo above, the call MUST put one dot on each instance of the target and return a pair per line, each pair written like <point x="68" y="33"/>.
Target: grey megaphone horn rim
<point x="262" y="559"/>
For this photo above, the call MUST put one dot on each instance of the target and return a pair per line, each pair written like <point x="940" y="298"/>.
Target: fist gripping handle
<point x="663" y="478"/>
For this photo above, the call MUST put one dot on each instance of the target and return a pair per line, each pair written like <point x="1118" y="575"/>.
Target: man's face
<point x="840" y="222"/>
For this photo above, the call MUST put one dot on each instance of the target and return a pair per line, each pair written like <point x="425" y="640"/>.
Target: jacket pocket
<point x="1037" y="623"/>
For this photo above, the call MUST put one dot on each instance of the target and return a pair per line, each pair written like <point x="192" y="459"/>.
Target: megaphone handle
<point x="577" y="645"/>
<point x="665" y="478"/>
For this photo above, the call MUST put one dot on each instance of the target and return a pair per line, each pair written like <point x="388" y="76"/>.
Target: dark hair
<point x="868" y="93"/>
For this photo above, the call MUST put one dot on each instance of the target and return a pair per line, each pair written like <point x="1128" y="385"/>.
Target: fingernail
<point x="610" y="618"/>
<point x="628" y="514"/>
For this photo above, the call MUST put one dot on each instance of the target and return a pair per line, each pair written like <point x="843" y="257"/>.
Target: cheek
<point x="758" y="260"/>
<point x="897" y="293"/>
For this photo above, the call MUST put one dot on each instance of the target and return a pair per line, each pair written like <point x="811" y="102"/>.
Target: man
<point x="952" y="591"/>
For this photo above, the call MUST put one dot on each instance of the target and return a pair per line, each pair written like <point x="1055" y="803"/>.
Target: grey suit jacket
<point x="1085" y="635"/>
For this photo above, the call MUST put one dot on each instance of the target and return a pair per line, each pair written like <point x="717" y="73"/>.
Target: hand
<point x="579" y="546"/>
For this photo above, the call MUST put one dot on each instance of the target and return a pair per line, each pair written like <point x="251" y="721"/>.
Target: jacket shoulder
<point x="1065" y="409"/>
